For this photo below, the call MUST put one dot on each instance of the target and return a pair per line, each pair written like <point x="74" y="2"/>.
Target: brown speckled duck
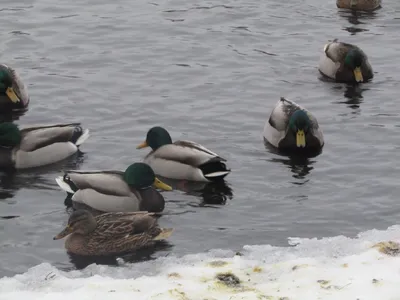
<point x="366" y="5"/>
<point x="111" y="233"/>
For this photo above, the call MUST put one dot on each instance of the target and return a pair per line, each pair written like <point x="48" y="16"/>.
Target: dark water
<point x="209" y="72"/>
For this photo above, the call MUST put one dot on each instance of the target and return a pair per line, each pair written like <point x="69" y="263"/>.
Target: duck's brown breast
<point x="360" y="5"/>
<point x="77" y="244"/>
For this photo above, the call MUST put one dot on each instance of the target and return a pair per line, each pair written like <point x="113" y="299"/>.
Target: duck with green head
<point x="13" y="94"/>
<point x="365" y="5"/>
<point x="39" y="145"/>
<point x="182" y="160"/>
<point x="111" y="233"/>
<point x="292" y="127"/>
<point x="344" y="62"/>
<point x="113" y="191"/>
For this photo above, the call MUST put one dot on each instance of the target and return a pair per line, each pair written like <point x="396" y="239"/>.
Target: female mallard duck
<point x="13" y="94"/>
<point x="345" y="63"/>
<point x="111" y="233"/>
<point x="113" y="191"/>
<point x="38" y="146"/>
<point x="183" y="160"/>
<point x="291" y="127"/>
<point x="366" y="5"/>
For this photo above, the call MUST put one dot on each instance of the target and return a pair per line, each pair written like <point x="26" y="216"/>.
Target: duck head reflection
<point x="300" y="164"/>
<point x="356" y="18"/>
<point x="352" y="95"/>
<point x="211" y="193"/>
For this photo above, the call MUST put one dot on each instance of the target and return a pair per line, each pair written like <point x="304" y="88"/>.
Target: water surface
<point x="209" y="72"/>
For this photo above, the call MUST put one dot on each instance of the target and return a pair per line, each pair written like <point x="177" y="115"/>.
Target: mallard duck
<point x="38" y="146"/>
<point x="13" y="94"/>
<point x="345" y="63"/>
<point x="111" y="233"/>
<point x="292" y="127"/>
<point x="114" y="191"/>
<point x="183" y="160"/>
<point x="366" y="5"/>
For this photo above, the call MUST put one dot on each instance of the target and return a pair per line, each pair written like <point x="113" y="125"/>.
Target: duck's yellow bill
<point x="67" y="230"/>
<point x="164" y="234"/>
<point x="11" y="94"/>
<point x="358" y="74"/>
<point x="300" y="138"/>
<point x="161" y="185"/>
<point x="142" y="145"/>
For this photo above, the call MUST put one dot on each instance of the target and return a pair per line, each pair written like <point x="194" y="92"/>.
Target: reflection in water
<point x="353" y="30"/>
<point x="354" y="18"/>
<point x="211" y="193"/>
<point x="7" y="185"/>
<point x="353" y="95"/>
<point x="300" y="166"/>
<point x="299" y="163"/>
<point x="144" y="254"/>
<point x="8" y="217"/>
<point x="12" y="180"/>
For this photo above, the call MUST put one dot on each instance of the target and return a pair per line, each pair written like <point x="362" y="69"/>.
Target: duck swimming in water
<point x="183" y="160"/>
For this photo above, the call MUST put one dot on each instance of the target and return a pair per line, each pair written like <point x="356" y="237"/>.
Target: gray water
<point x="210" y="72"/>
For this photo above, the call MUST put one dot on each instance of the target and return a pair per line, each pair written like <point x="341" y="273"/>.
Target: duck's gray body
<point x="276" y="128"/>
<point x="43" y="145"/>
<point x="106" y="191"/>
<point x="187" y="160"/>
<point x="332" y="59"/>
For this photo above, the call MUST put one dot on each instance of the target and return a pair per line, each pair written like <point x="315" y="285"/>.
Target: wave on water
<point x="366" y="267"/>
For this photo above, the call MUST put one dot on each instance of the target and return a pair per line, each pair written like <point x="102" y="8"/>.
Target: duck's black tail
<point x="79" y="136"/>
<point x="215" y="169"/>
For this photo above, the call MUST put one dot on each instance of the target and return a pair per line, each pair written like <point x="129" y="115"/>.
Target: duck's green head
<point x="354" y="60"/>
<point x="6" y="84"/>
<point x="10" y="135"/>
<point x="300" y="124"/>
<point x="141" y="176"/>
<point x="156" y="137"/>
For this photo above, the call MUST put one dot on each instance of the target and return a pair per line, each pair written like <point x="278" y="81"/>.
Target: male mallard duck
<point x="345" y="63"/>
<point x="113" y="191"/>
<point x="184" y="160"/>
<point x="291" y="127"/>
<point x="366" y="5"/>
<point x="38" y="146"/>
<point x="111" y="233"/>
<point x="13" y="94"/>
